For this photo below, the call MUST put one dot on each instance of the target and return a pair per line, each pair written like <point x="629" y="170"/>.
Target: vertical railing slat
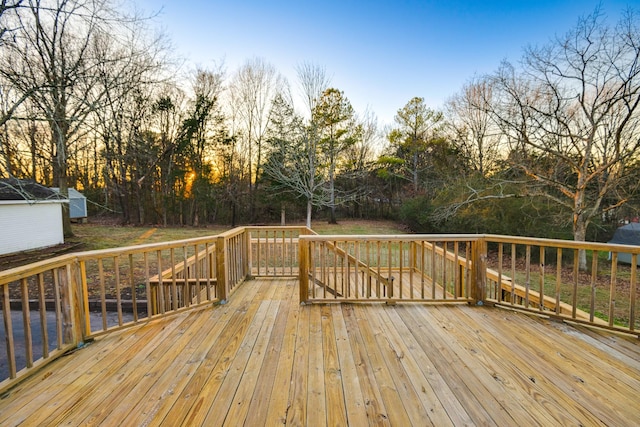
<point x="499" y="292"/>
<point x="58" y="304"/>
<point x="132" y="284"/>
<point x="8" y="329"/>
<point x="576" y="273"/>
<point x="303" y="269"/>
<point x="43" y="316"/>
<point x="612" y="287"/>
<point x="558" y="279"/>
<point x="632" y="292"/>
<point x="116" y="267"/>
<point x="541" y="279"/>
<point x="594" y="281"/>
<point x="103" y="297"/>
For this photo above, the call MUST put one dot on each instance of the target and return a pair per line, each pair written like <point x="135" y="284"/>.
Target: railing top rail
<point x="24" y="271"/>
<point x="565" y="244"/>
<point x="535" y="241"/>
<point x="394" y="237"/>
<point x="232" y="233"/>
<point x="20" y="272"/>
<point x="275" y="227"/>
<point x="100" y="253"/>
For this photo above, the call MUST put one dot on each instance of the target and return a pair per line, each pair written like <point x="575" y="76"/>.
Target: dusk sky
<point x="380" y="53"/>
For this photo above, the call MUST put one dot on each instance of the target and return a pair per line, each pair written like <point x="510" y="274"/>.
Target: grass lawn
<point x="98" y="236"/>
<point x="358" y="227"/>
<point x="94" y="236"/>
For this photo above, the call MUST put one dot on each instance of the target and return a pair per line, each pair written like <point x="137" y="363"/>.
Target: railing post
<point x="249" y="258"/>
<point x="84" y="295"/>
<point x="221" y="269"/>
<point x="479" y="275"/>
<point x="71" y="306"/>
<point x="303" y="268"/>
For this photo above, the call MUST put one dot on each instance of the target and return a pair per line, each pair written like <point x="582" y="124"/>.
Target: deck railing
<point x="535" y="275"/>
<point x="544" y="276"/>
<point x="52" y="306"/>
<point x="56" y="305"/>
<point x="274" y="250"/>
<point x="386" y="268"/>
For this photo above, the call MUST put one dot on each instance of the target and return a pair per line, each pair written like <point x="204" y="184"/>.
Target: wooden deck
<point x="262" y="359"/>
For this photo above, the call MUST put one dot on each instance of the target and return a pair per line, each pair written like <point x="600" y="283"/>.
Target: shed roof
<point x="17" y="189"/>
<point x="628" y="234"/>
<point x="73" y="193"/>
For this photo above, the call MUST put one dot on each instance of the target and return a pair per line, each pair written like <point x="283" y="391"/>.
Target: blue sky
<point x="380" y="53"/>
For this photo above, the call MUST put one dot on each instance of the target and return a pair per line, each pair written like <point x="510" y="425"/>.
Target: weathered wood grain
<point x="263" y="359"/>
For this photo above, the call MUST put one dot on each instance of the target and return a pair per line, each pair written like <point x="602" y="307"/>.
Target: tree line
<point x="90" y="98"/>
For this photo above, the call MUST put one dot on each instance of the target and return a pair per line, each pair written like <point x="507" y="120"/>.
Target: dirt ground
<point x="22" y="258"/>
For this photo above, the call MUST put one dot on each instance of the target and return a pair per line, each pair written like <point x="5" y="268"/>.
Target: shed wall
<point x="25" y="226"/>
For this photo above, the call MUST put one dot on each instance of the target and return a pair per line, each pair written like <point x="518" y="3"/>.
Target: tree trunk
<point x="580" y="235"/>
<point x="332" y="192"/>
<point x="66" y="217"/>
<point x="60" y="174"/>
<point x="309" y="209"/>
<point x="415" y="170"/>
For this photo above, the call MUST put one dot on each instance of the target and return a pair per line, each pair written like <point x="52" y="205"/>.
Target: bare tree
<point x="205" y="121"/>
<point x="571" y="115"/>
<point x="313" y="81"/>
<point x="252" y="89"/>
<point x="7" y="23"/>
<point x="474" y="131"/>
<point x="128" y="75"/>
<point x="288" y="155"/>
<point x="293" y="161"/>
<point x="55" y="61"/>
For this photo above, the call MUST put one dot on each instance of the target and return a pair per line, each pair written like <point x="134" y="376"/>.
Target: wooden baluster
<point x="161" y="299"/>
<point x="58" y="302"/>
<point x="147" y="281"/>
<point x="103" y="294"/>
<point x="527" y="280"/>
<point x="541" y="279"/>
<point x="132" y="283"/>
<point x="26" y="322"/>
<point x="513" y="273"/>
<point x="43" y="316"/>
<point x="8" y="330"/>
<point x="632" y="296"/>
<point x="457" y="289"/>
<point x="612" y="286"/>
<point x="196" y="272"/>
<point x="303" y="268"/>
<point x="116" y="267"/>
<point x="558" y="279"/>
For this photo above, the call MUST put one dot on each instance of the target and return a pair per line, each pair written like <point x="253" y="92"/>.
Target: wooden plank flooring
<point x="262" y="359"/>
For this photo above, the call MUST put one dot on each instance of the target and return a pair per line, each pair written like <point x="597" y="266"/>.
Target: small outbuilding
<point x="77" y="204"/>
<point x="628" y="234"/>
<point x="30" y="216"/>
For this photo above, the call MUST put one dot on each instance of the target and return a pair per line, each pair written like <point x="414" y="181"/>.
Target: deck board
<point x="264" y="359"/>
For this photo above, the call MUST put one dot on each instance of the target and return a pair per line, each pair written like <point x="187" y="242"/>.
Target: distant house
<point x="30" y="216"/>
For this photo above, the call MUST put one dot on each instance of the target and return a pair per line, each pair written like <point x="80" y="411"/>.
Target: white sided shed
<point x="30" y="216"/>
